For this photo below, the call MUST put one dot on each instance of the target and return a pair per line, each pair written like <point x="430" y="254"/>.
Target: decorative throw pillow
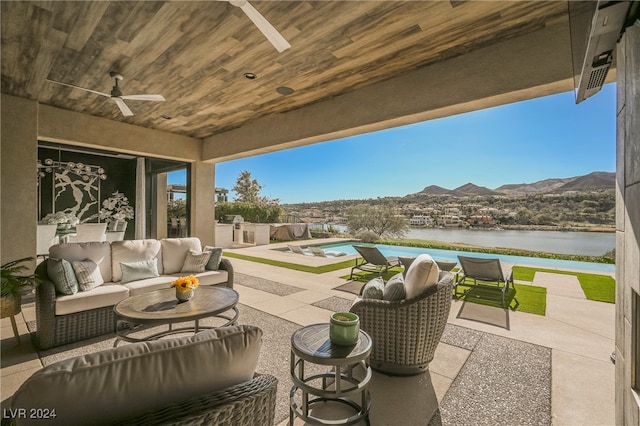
<point x="88" y="274"/>
<point x="134" y="271"/>
<point x="62" y="276"/>
<point x="214" y="260"/>
<point x="394" y="288"/>
<point x="195" y="261"/>
<point x="422" y="274"/>
<point x="374" y="289"/>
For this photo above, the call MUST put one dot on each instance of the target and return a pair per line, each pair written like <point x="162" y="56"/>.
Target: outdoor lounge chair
<point x="299" y="250"/>
<point x="317" y="251"/>
<point x="484" y="272"/>
<point x="373" y="260"/>
<point x="406" y="332"/>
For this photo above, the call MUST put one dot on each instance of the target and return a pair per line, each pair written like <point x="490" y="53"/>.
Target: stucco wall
<point x="18" y="183"/>
<point x="627" y="224"/>
<point x="24" y="122"/>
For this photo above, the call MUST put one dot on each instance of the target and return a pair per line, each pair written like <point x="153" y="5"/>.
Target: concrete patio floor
<point x="579" y="333"/>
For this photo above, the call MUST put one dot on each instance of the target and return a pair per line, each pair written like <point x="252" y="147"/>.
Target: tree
<point x="380" y="219"/>
<point x="247" y="189"/>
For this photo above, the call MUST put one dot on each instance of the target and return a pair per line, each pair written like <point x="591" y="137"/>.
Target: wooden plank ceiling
<point x="196" y="53"/>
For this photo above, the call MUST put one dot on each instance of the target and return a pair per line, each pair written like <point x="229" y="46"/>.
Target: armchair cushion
<point x="394" y="288"/>
<point x="374" y="289"/>
<point x="422" y="274"/>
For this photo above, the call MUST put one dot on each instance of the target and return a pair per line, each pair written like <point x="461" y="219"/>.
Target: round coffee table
<point x="161" y="307"/>
<point x="312" y="344"/>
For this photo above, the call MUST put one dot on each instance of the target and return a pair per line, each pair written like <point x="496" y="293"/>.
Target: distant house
<point x="421" y="220"/>
<point x="449" y="221"/>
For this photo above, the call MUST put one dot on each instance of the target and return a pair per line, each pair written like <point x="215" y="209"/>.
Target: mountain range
<point x="595" y="181"/>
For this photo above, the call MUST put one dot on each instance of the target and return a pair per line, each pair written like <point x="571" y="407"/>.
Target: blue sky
<point x="524" y="142"/>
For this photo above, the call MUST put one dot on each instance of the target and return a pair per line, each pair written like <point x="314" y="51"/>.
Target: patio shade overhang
<point x="353" y="66"/>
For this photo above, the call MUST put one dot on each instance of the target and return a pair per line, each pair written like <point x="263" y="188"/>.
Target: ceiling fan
<point x="116" y="94"/>
<point x="263" y="25"/>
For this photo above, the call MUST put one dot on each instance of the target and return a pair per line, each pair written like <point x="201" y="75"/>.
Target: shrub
<point x="367" y="236"/>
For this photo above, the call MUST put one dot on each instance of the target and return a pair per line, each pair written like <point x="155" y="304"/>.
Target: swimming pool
<point x="451" y="255"/>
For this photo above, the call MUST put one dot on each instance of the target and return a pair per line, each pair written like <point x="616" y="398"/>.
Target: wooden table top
<point x="162" y="306"/>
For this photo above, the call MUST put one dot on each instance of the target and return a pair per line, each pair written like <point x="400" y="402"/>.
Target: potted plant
<point x="14" y="281"/>
<point x="116" y="209"/>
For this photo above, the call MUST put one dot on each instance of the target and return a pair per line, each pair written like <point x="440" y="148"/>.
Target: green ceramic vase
<point x="344" y="328"/>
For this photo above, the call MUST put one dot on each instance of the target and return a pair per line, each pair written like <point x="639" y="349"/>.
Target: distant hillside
<point x="547" y="185"/>
<point x="592" y="182"/>
<point x="471" y="189"/>
<point x="435" y="190"/>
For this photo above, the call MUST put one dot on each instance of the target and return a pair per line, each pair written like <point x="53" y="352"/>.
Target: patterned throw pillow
<point x="134" y="271"/>
<point x="214" y="260"/>
<point x="374" y="289"/>
<point x="394" y="288"/>
<point x="88" y="274"/>
<point x="196" y="261"/>
<point x="62" y="276"/>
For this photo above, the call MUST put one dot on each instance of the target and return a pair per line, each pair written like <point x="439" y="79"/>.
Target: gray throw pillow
<point x="62" y="276"/>
<point x="134" y="271"/>
<point x="214" y="260"/>
<point x="374" y="289"/>
<point x="88" y="274"/>
<point x="394" y="288"/>
<point x="195" y="261"/>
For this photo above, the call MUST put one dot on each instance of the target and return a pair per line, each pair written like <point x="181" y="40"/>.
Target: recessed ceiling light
<point x="166" y="117"/>
<point x="284" y="90"/>
<point x="250" y="76"/>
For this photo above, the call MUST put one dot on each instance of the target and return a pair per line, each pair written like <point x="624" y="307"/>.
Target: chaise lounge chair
<point x="373" y="260"/>
<point x="317" y="251"/>
<point x="299" y="250"/>
<point x="487" y="273"/>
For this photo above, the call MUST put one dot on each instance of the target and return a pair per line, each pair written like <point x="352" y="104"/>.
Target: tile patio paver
<point x="559" y="284"/>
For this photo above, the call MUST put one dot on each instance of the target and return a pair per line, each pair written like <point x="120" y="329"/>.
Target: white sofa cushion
<point x="134" y="251"/>
<point x="208" y="277"/>
<point x="108" y="294"/>
<point x="174" y="253"/>
<point x="112" y="385"/>
<point x="149" y="284"/>
<point x="99" y="252"/>
<point x="422" y="274"/>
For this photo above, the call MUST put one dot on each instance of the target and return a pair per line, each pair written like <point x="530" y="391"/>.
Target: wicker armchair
<point x="54" y="330"/>
<point x="248" y="404"/>
<point x="406" y="333"/>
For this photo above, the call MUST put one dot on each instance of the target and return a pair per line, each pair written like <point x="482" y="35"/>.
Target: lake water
<point x="581" y="243"/>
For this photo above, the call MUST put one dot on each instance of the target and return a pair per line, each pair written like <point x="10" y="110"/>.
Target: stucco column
<point x="628" y="226"/>
<point x="18" y="182"/>
<point x="202" y="223"/>
<point x="141" y="210"/>
<point x="161" y="206"/>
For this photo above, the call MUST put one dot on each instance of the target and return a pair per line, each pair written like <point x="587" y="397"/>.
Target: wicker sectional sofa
<point x="62" y="319"/>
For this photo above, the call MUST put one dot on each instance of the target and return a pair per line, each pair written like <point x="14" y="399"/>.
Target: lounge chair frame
<point x="373" y="260"/>
<point x="486" y="273"/>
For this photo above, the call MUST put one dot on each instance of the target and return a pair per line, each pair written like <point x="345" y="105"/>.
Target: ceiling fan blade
<point x="158" y="98"/>
<point x="123" y="107"/>
<point x="263" y="25"/>
<point x="81" y="88"/>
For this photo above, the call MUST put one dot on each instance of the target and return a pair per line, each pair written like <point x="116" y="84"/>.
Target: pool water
<point x="451" y="255"/>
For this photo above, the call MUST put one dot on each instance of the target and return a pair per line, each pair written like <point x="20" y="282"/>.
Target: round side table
<point x="312" y="344"/>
